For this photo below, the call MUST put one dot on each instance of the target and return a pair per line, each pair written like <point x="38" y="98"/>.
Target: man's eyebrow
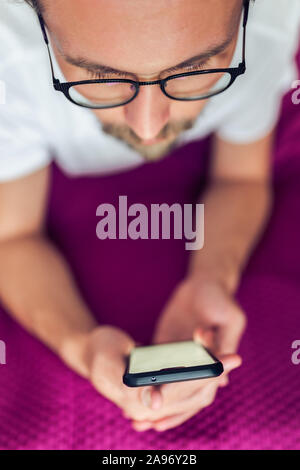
<point x="100" y="68"/>
<point x="203" y="57"/>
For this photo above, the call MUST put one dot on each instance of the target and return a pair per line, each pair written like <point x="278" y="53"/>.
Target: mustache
<point x="126" y="133"/>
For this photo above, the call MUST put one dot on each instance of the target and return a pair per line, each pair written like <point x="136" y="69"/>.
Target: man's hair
<point x="36" y="4"/>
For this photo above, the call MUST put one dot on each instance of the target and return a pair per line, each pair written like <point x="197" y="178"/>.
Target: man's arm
<point x="237" y="207"/>
<point x="36" y="285"/>
<point x="38" y="290"/>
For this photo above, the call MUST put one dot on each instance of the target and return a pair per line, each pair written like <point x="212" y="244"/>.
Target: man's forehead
<point x="141" y="38"/>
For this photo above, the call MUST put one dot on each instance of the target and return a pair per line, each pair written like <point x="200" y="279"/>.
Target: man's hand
<point x="105" y="351"/>
<point x="204" y="304"/>
<point x="205" y="311"/>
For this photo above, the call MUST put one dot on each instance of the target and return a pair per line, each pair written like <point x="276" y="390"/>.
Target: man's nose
<point x="148" y="113"/>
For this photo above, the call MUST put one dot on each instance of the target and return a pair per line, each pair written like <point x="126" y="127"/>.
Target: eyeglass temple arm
<point x="246" y="14"/>
<point x="42" y="24"/>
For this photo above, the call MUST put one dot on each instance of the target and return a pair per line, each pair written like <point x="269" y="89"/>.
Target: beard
<point x="154" y="152"/>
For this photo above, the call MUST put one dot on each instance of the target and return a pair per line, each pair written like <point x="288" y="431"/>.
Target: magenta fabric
<point x="44" y="405"/>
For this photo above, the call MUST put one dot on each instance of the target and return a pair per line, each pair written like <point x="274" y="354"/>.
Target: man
<point x="139" y="43"/>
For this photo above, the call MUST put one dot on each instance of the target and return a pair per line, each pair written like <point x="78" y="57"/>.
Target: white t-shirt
<point x="38" y="124"/>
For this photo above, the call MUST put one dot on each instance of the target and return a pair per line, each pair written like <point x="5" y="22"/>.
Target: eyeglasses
<point x="188" y="86"/>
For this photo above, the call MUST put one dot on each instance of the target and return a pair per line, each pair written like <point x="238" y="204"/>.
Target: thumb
<point x="230" y="362"/>
<point x="151" y="397"/>
<point x="229" y="334"/>
<point x="203" y="337"/>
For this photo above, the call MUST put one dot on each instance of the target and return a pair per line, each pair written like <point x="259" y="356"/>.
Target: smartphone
<point x="170" y="362"/>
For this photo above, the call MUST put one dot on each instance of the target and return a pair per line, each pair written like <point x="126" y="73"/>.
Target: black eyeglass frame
<point x="234" y="72"/>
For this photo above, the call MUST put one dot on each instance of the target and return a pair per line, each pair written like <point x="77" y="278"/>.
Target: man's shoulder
<point x="273" y="37"/>
<point x="24" y="63"/>
<point x="276" y="17"/>
<point x="20" y="36"/>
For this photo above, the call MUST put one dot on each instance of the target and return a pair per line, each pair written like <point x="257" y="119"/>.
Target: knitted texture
<point x="44" y="405"/>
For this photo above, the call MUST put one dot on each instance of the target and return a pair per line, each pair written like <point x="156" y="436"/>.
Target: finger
<point x="145" y="396"/>
<point x="156" y="398"/>
<point x="186" y="400"/>
<point x="139" y="407"/>
<point x="224" y="381"/>
<point x="230" y="362"/>
<point x="173" y="421"/>
<point x="174" y="393"/>
<point x="178" y="391"/>
<point x="125" y="414"/>
<point x="141" y="402"/>
<point x="201" y="399"/>
<point x="151" y="397"/>
<point x="105" y="379"/>
<point x="180" y="397"/>
<point x="163" y="423"/>
<point x="146" y="406"/>
<point x="142" y="425"/>
<point x="229" y="334"/>
<point x="203" y="336"/>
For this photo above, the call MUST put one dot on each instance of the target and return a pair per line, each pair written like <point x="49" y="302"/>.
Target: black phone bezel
<point x="172" y="374"/>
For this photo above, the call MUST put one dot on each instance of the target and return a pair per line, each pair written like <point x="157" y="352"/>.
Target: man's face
<point x="144" y="40"/>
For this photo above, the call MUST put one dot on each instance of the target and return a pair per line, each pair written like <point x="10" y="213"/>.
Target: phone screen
<point x="168" y="355"/>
